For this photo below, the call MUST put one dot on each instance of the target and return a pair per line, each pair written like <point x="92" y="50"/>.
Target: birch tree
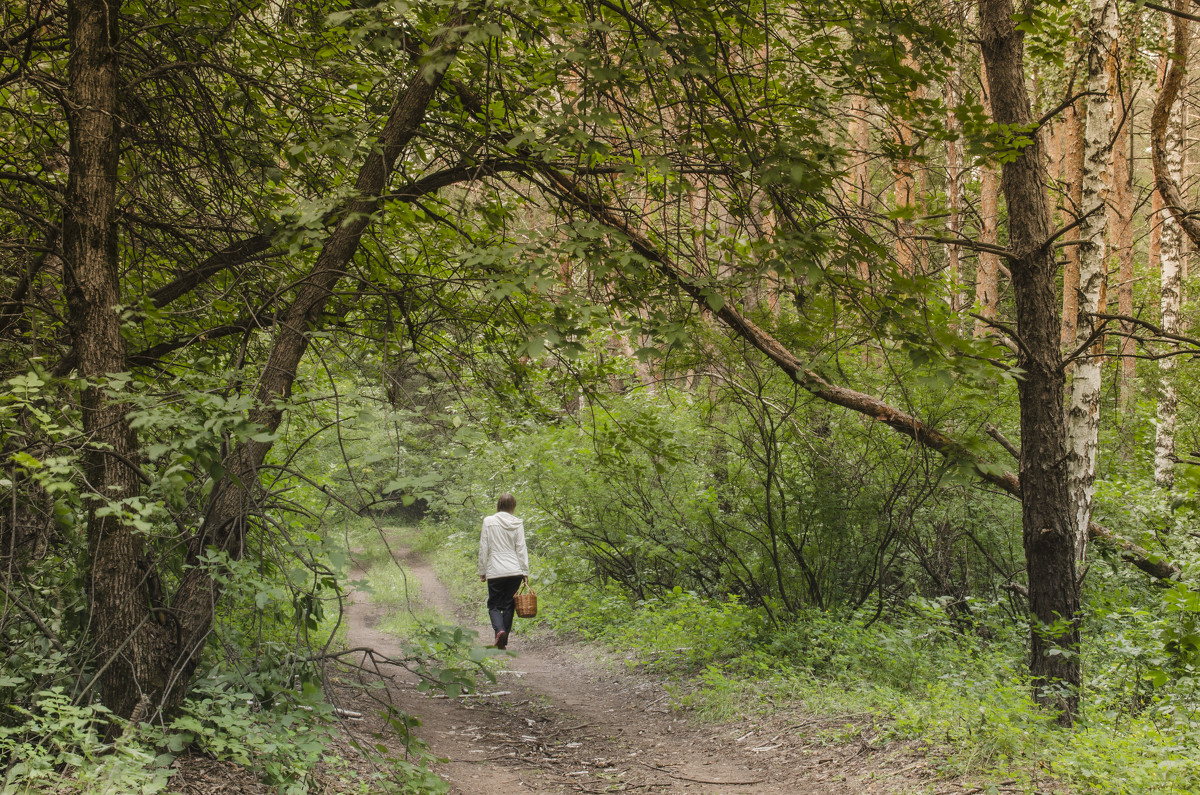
<point x="1083" y="414"/>
<point x="1166" y="136"/>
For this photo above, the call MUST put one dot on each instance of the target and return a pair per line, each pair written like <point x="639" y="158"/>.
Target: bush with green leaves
<point x="59" y="743"/>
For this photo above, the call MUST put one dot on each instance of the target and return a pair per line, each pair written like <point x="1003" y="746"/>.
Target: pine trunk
<point x="1047" y="519"/>
<point x="1121" y="239"/>
<point x="862" y="178"/>
<point x="987" y="273"/>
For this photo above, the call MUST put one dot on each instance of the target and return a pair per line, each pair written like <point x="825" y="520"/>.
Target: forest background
<point x="756" y="307"/>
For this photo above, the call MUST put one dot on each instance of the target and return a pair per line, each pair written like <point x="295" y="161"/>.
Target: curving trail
<point x="565" y="718"/>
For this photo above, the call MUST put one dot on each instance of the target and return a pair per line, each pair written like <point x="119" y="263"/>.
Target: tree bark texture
<point x="1047" y="519"/>
<point x="1083" y="412"/>
<point x="1165" y="180"/>
<point x="1073" y="156"/>
<point x="126" y="642"/>
<point x="1166" y="143"/>
<point x="987" y="271"/>
<point x="904" y="196"/>
<point x="1170" y="304"/>
<point x="1120" y="219"/>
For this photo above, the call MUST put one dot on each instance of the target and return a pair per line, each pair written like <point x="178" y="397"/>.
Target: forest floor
<point x="568" y="717"/>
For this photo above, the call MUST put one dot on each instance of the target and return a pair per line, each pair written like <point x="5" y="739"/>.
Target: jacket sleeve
<point x="522" y="552"/>
<point x="483" y="550"/>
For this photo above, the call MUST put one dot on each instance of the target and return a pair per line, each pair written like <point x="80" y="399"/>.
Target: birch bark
<point x="1083" y="412"/>
<point x="1170" y="300"/>
<point x="1166" y="143"/>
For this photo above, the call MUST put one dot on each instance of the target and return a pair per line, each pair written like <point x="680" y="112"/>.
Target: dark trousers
<point x="501" y="591"/>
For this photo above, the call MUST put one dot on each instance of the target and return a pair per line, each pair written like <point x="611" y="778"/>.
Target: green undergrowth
<point x="955" y="685"/>
<point x="399" y="593"/>
<point x="266" y="724"/>
<point x="926" y="678"/>
<point x="265" y="712"/>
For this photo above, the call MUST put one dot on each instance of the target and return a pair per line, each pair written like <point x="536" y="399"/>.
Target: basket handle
<point x="526" y="586"/>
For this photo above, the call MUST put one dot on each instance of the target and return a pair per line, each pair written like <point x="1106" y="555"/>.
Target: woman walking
<point x="503" y="564"/>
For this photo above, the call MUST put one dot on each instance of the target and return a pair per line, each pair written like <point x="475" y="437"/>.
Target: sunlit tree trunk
<point x="1073" y="156"/>
<point x="861" y="132"/>
<point x="906" y="193"/>
<point x="904" y="199"/>
<point x="1083" y="413"/>
<point x="1121" y="236"/>
<point x="987" y="272"/>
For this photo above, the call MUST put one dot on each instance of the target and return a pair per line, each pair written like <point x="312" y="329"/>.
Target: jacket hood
<point x="508" y="521"/>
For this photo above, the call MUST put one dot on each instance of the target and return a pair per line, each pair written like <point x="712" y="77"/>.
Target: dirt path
<point x="565" y="718"/>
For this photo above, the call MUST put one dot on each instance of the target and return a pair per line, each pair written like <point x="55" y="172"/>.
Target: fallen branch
<point x="702" y="780"/>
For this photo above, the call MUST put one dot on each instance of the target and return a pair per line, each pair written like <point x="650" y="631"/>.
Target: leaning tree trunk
<point x="231" y="506"/>
<point x="1083" y="415"/>
<point x="1047" y="520"/>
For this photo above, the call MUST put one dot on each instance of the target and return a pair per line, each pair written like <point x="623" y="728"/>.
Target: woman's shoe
<point x="501" y="640"/>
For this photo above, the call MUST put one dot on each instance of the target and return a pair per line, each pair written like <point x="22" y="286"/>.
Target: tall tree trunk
<point x="987" y="272"/>
<point x="1073" y="157"/>
<point x="1083" y="415"/>
<point x="1170" y="304"/>
<point x="118" y="608"/>
<point x="958" y="300"/>
<point x="1120" y="220"/>
<point x="861" y="131"/>
<point x="905" y="194"/>
<point x="987" y="276"/>
<point x="1047" y="519"/>
<point x="1166" y="143"/>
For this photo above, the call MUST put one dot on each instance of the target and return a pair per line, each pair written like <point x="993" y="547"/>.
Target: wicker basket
<point x="526" y="602"/>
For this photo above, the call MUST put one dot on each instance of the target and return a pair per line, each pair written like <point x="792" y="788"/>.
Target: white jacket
<point x="502" y="550"/>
